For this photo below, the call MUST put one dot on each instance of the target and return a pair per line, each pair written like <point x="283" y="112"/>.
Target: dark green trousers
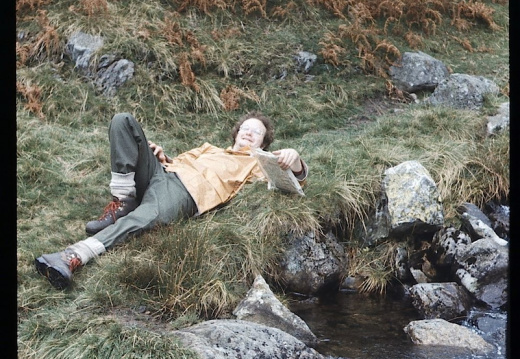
<point x="161" y="195"/>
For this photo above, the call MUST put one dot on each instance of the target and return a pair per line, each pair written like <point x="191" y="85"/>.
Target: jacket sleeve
<point x="302" y="177"/>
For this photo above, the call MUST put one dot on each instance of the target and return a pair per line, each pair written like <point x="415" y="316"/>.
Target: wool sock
<point x="88" y="249"/>
<point x="122" y="185"/>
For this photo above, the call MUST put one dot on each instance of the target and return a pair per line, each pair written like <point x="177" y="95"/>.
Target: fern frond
<point x="250" y="6"/>
<point x="186" y="74"/>
<point x="390" y="49"/>
<point x="414" y="40"/>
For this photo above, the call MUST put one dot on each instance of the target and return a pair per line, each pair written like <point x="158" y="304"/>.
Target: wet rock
<point x="492" y="326"/>
<point x="484" y="271"/>
<point x="403" y="273"/>
<point x="417" y="71"/>
<point x="442" y="332"/>
<point x="477" y="224"/>
<point x="419" y="276"/>
<point x="475" y="212"/>
<point x="238" y="339"/>
<point x="312" y="265"/>
<point x="377" y="226"/>
<point x="440" y="300"/>
<point x="481" y="230"/>
<point x="462" y="91"/>
<point x="261" y="306"/>
<point x="446" y="244"/>
<point x="499" y="216"/>
<point x="352" y="283"/>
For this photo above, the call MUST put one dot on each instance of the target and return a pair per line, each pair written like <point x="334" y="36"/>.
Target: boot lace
<point x="111" y="209"/>
<point x="74" y="260"/>
<point x="74" y="264"/>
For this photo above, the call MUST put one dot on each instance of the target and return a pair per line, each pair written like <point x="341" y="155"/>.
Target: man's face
<point x="251" y="133"/>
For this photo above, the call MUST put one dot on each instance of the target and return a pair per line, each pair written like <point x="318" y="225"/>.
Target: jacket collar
<point x="246" y="151"/>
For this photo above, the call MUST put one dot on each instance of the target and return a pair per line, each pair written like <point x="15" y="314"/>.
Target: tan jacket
<point x="213" y="175"/>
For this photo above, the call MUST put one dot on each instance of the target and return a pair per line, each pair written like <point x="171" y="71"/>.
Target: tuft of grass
<point x="69" y="332"/>
<point x="375" y="266"/>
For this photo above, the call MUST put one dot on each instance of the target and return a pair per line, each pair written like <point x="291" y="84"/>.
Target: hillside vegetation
<point x="199" y="65"/>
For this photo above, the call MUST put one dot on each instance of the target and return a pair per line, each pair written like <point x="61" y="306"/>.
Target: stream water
<point x="355" y="326"/>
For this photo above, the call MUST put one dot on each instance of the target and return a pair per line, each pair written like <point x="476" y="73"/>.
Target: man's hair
<point x="269" y="128"/>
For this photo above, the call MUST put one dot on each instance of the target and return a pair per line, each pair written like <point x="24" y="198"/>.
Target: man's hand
<point x="289" y="158"/>
<point x="159" y="152"/>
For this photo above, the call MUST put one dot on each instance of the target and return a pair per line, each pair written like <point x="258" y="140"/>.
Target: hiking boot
<point x="112" y="212"/>
<point x="58" y="267"/>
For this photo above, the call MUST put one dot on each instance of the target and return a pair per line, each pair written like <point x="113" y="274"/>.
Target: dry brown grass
<point x="284" y="11"/>
<point x="23" y="53"/>
<point x="465" y="43"/>
<point x="29" y="5"/>
<point x="218" y="34"/>
<point x="337" y="7"/>
<point x="172" y="31"/>
<point x="395" y="94"/>
<point x="230" y="96"/>
<point x="186" y="73"/>
<point x="189" y="49"/>
<point x="415" y="41"/>
<point x="48" y="39"/>
<point x="32" y="96"/>
<point x="93" y="7"/>
<point x="412" y="19"/>
<point x="205" y="6"/>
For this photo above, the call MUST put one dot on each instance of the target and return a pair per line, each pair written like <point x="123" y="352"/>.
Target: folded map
<point x="277" y="178"/>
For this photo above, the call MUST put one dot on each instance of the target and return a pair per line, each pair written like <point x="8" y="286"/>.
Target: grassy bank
<point x="199" y="66"/>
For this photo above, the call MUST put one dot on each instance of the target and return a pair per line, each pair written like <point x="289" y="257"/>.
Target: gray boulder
<point x="110" y="73"/>
<point x="440" y="300"/>
<point x="81" y="47"/>
<point x="113" y="73"/>
<point x="409" y="204"/>
<point x="312" y="264"/>
<point x="462" y="91"/>
<point x="417" y="71"/>
<point x="412" y="200"/>
<point x="261" y="306"/>
<point x="238" y="339"/>
<point x="442" y="332"/>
